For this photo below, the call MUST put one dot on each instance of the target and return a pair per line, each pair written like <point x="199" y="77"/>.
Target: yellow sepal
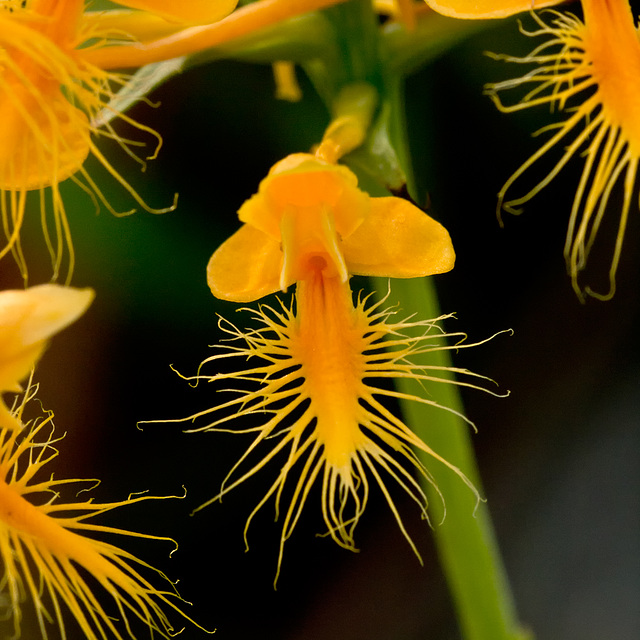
<point x="185" y="11"/>
<point x="8" y="422"/>
<point x="398" y="240"/>
<point x="30" y="315"/>
<point x="480" y="9"/>
<point x="16" y="366"/>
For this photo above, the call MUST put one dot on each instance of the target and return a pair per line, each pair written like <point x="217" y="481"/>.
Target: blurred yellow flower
<point x="246" y="20"/>
<point x="50" y="93"/>
<point x="590" y="69"/>
<point x="481" y="9"/>
<point x="47" y="557"/>
<point x="28" y="318"/>
<point x="320" y="362"/>
<point x="189" y="12"/>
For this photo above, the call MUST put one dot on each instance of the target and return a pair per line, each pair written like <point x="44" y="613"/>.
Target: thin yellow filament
<point x="579" y="65"/>
<point x="45" y="554"/>
<point x="312" y="389"/>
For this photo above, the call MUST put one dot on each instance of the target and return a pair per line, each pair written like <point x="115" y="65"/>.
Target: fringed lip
<point x="311" y="387"/>
<point x="47" y="556"/>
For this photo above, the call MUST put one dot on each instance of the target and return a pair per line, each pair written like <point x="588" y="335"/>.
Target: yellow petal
<point x="301" y="181"/>
<point x="143" y="27"/>
<point x="8" y="421"/>
<point x="398" y="240"/>
<point x="475" y="9"/>
<point x="246" y="267"/>
<point x="185" y="11"/>
<point x="39" y="312"/>
<point x="16" y="366"/>
<point x="28" y="318"/>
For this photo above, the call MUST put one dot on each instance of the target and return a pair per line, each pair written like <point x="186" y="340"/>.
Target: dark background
<point x="558" y="456"/>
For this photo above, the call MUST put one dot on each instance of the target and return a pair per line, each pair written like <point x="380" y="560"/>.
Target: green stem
<point x="465" y="539"/>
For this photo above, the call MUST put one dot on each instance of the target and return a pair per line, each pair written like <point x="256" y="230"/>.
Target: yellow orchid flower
<point x="597" y="84"/>
<point x="482" y="9"/>
<point x="46" y="555"/>
<point x="318" y="360"/>
<point x="50" y="93"/>
<point x="309" y="217"/>
<point x="28" y="319"/>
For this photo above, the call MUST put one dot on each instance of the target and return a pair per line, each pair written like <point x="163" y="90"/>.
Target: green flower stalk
<point x="462" y="527"/>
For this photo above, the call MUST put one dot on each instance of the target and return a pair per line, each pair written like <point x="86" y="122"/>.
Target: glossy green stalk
<point x="339" y="47"/>
<point x="464" y="536"/>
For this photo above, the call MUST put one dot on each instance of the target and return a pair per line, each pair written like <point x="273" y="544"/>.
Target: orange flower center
<point x="612" y="47"/>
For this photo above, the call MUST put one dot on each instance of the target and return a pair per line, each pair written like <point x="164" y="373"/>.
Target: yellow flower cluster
<point x="52" y="101"/>
<point x="313" y="382"/>
<point x="51" y="96"/>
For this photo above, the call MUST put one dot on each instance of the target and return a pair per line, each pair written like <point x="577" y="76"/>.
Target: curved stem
<point x="465" y="539"/>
